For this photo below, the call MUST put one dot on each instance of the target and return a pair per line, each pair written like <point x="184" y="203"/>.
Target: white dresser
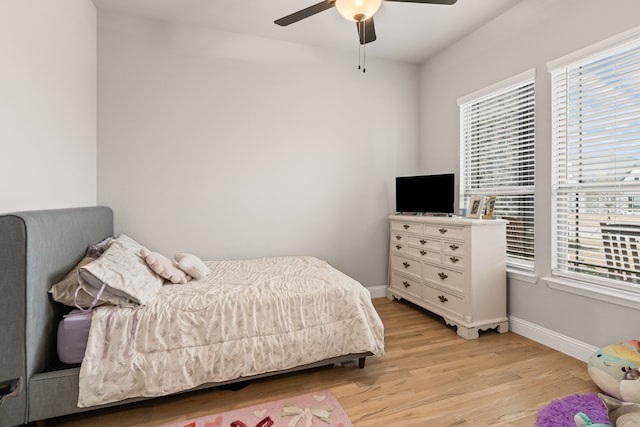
<point x="453" y="267"/>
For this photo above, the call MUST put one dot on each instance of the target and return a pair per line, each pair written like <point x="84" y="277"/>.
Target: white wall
<point x="47" y="104"/>
<point x="230" y="146"/>
<point x="528" y="36"/>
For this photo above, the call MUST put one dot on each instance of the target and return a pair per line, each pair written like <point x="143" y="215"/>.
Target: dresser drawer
<point x="453" y="260"/>
<point x="407" y="285"/>
<point x="398" y="247"/>
<point x="398" y="237"/>
<point x="409" y="227"/>
<point x="455" y="248"/>
<point x="424" y="253"/>
<point x="444" y="231"/>
<point x="444" y="276"/>
<point x="444" y="300"/>
<point x="425" y="242"/>
<point x="405" y="265"/>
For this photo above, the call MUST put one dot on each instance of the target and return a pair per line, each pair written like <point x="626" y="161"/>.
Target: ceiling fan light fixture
<point x="358" y="10"/>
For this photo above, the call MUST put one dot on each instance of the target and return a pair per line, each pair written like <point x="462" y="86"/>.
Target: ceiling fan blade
<point x="366" y="31"/>
<point x="427" y="1"/>
<point x="305" y="13"/>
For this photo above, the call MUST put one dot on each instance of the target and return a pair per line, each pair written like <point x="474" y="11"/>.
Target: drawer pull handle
<point x="398" y="247"/>
<point x="454" y="259"/>
<point x="443" y="230"/>
<point x="398" y="237"/>
<point x="423" y="242"/>
<point x="406" y="284"/>
<point x="442" y="298"/>
<point x="423" y="253"/>
<point x="406" y="226"/>
<point x="442" y="276"/>
<point x="406" y="264"/>
<point x="454" y="247"/>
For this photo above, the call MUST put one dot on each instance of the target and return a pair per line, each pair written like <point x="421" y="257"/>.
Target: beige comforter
<point x="246" y="318"/>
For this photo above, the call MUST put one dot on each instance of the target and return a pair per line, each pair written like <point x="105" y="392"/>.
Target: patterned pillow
<point x="65" y="290"/>
<point x="121" y="272"/>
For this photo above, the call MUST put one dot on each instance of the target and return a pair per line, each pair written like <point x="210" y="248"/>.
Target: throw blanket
<point x="245" y="318"/>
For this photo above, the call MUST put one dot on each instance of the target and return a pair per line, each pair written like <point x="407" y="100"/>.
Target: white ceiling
<point x="408" y="32"/>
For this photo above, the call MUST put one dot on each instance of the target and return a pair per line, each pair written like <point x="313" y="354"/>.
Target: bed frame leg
<point x="361" y="362"/>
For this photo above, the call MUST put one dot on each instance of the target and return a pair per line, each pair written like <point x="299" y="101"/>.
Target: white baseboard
<point x="562" y="343"/>
<point x="378" y="291"/>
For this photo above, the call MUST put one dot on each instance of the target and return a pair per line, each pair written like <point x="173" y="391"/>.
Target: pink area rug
<point x="319" y="408"/>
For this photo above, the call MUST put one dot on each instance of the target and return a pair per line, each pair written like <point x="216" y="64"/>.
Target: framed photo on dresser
<point x="490" y="204"/>
<point x="474" y="210"/>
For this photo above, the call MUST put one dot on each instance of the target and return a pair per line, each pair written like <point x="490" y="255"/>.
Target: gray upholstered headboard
<point x="37" y="248"/>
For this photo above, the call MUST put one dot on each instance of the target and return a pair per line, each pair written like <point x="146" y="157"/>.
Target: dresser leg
<point x="503" y="327"/>
<point x="468" y="333"/>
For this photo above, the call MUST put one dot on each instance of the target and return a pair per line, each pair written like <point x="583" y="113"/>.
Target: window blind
<point x="596" y="167"/>
<point x="498" y="159"/>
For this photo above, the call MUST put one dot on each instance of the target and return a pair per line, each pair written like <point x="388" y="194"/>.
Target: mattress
<point x="246" y="318"/>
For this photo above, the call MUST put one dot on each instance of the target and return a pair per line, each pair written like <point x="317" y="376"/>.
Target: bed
<point x="38" y="248"/>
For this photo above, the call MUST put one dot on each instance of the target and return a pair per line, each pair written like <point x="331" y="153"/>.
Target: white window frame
<point x="510" y="187"/>
<point x="610" y="287"/>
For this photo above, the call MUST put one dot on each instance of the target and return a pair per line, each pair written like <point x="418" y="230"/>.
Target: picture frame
<point x="474" y="210"/>
<point x="489" y="206"/>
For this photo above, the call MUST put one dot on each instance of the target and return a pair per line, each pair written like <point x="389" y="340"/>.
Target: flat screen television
<point x="429" y="194"/>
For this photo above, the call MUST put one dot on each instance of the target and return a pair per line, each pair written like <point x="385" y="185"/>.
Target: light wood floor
<point x="428" y="377"/>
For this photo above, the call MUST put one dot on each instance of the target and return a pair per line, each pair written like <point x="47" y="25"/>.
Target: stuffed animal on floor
<point x="582" y="420"/>
<point x="614" y="369"/>
<point x="621" y="414"/>
<point x="164" y="267"/>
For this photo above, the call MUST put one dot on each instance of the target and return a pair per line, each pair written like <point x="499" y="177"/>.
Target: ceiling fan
<point x="359" y="11"/>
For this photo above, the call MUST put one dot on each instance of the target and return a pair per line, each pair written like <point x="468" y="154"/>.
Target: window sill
<point x="600" y="293"/>
<point x="522" y="275"/>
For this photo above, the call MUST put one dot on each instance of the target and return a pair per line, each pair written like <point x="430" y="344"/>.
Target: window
<point x="497" y="158"/>
<point x="596" y="164"/>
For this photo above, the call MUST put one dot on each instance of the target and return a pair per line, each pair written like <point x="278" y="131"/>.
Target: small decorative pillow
<point x="95" y="251"/>
<point x="164" y="267"/>
<point x="121" y="272"/>
<point x="192" y="265"/>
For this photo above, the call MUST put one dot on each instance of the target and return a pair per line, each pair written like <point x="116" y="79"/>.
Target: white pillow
<point x="121" y="271"/>
<point x="192" y="265"/>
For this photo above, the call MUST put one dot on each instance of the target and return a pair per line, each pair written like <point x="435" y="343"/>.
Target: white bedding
<point x="245" y="318"/>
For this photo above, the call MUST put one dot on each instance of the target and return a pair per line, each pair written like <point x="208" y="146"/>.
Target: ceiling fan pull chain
<point x="364" y="58"/>
<point x="364" y="46"/>
<point x="359" y="47"/>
